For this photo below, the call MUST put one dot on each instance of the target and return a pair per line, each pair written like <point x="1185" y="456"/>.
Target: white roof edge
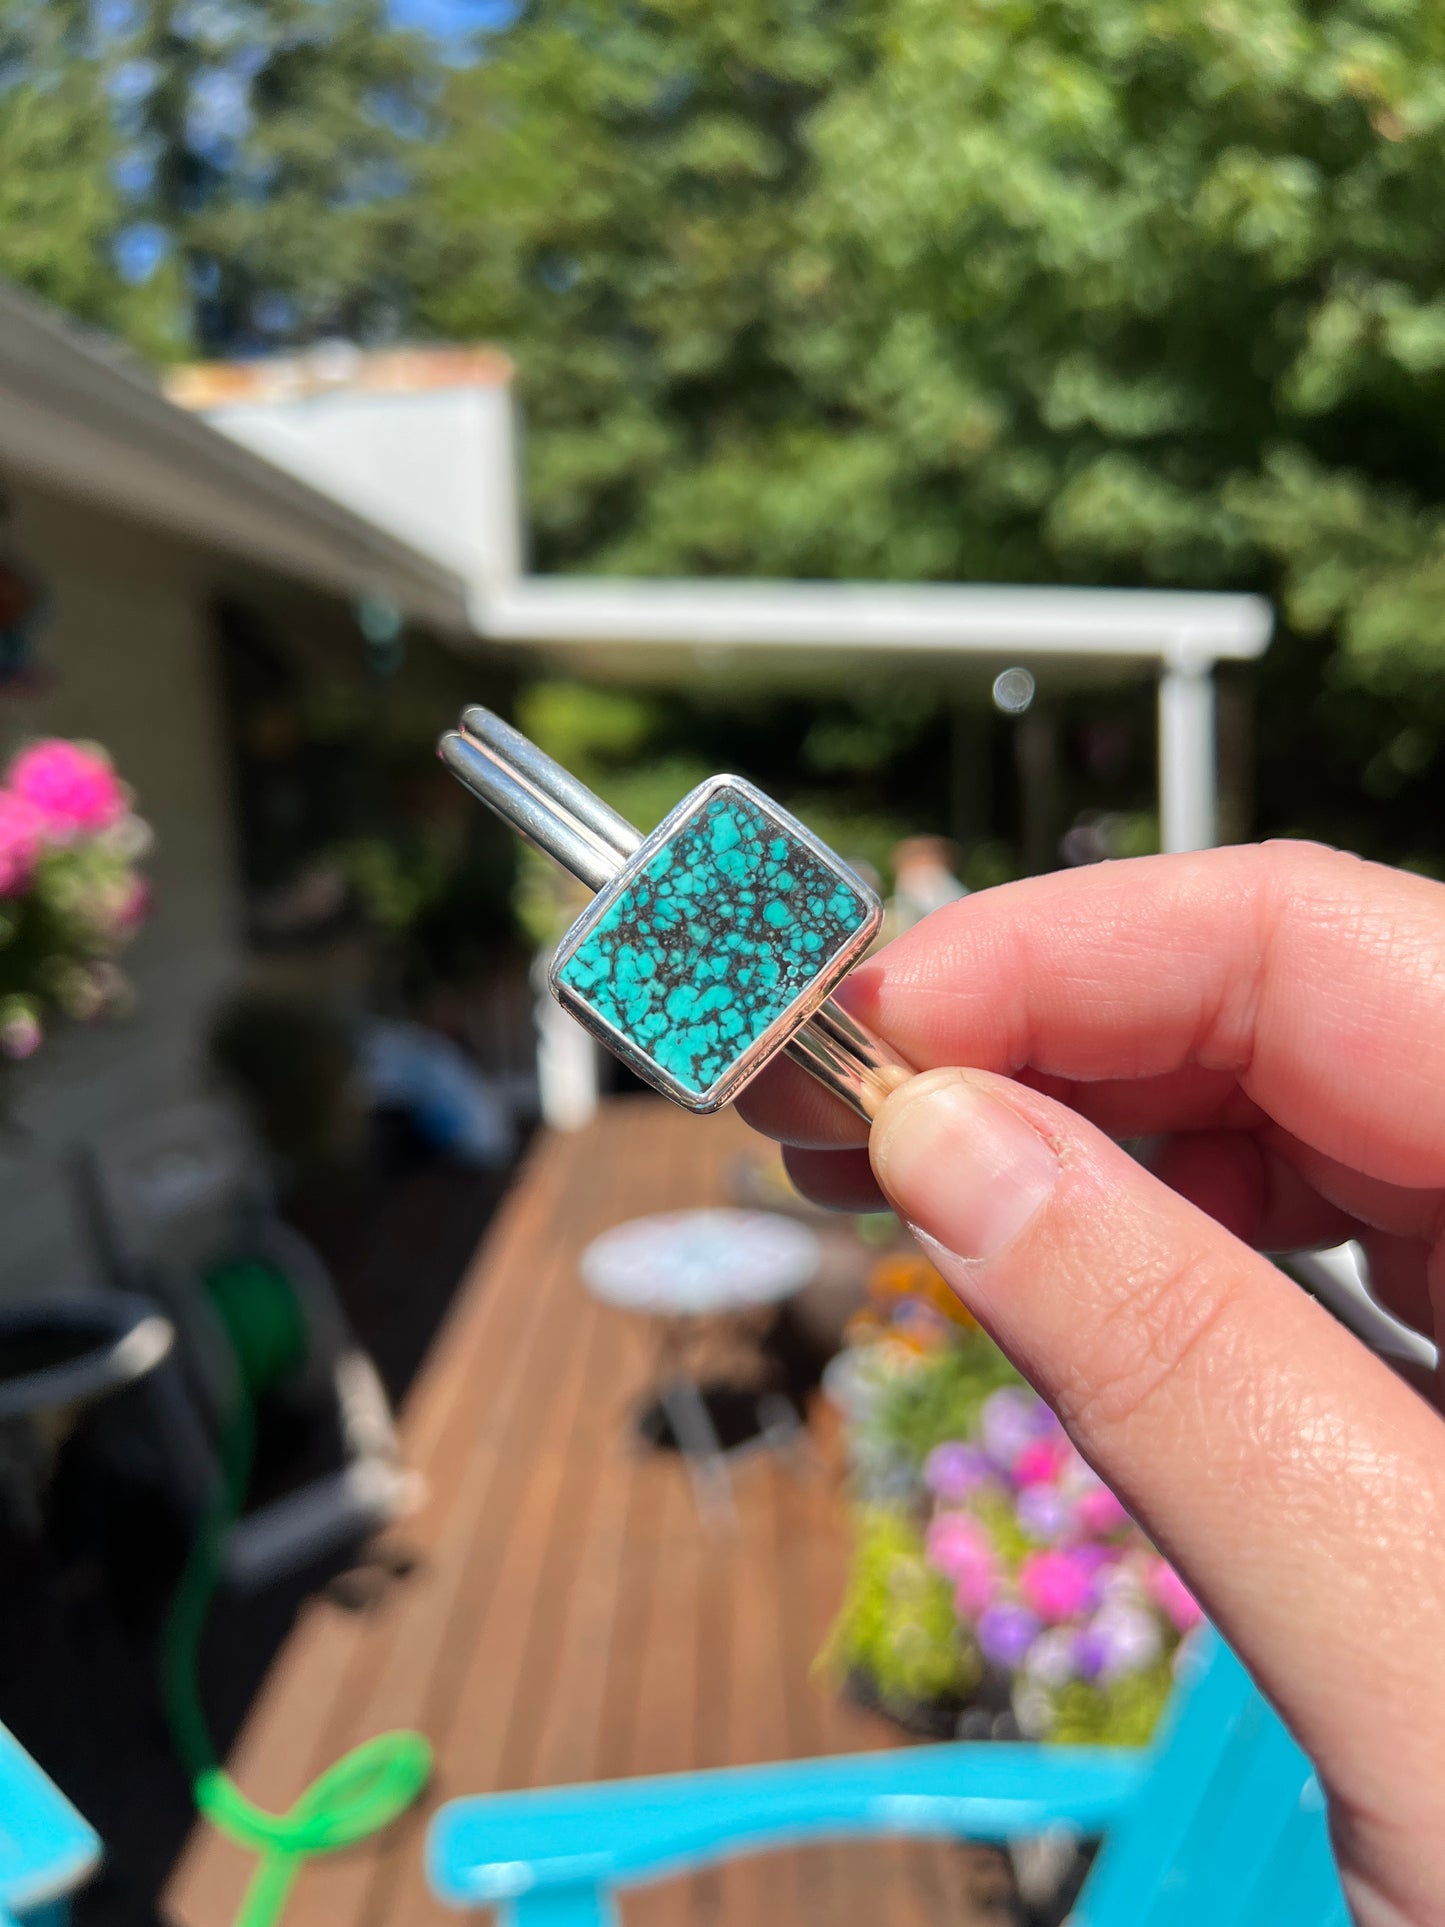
<point x="1194" y="627"/>
<point x="78" y="416"/>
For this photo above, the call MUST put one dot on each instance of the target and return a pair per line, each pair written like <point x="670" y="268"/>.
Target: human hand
<point x="1277" y="1015"/>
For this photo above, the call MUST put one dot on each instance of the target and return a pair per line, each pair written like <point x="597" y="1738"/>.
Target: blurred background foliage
<point x="1078" y="290"/>
<point x="644" y="752"/>
<point x="61" y="207"/>
<point x="1125" y="291"/>
<point x="215" y="176"/>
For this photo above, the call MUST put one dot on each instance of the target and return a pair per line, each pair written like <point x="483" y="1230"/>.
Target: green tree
<point x="1085" y="290"/>
<point x="272" y="147"/>
<point x="617" y="196"/>
<point x="60" y="205"/>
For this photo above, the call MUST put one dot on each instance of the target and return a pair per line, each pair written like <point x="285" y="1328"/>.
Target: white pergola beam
<point x="1140" y="624"/>
<point x="1182" y="633"/>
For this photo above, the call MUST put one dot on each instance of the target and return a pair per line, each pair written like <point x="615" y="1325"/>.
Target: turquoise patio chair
<point x="1219" y="1823"/>
<point x="46" y="1849"/>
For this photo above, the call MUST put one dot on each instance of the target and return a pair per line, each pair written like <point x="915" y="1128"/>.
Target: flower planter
<point x="998" y="1589"/>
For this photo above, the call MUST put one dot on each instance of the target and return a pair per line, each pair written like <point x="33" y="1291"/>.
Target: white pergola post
<point x="1188" y="753"/>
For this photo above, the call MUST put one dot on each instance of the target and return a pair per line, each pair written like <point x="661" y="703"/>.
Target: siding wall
<point x="135" y="668"/>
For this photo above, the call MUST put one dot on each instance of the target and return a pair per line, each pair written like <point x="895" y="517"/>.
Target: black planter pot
<point x="984" y="1714"/>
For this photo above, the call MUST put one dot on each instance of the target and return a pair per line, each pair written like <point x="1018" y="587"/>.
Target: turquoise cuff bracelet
<point x="713" y="944"/>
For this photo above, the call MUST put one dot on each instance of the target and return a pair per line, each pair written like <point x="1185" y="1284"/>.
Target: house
<point x="133" y="531"/>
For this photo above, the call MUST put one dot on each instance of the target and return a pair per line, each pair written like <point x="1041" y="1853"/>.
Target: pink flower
<point x="955" y="1541"/>
<point x="959" y="1548"/>
<point x="22" y="838"/>
<point x="1041" y="1462"/>
<point x="1172" y="1596"/>
<point x="1057" y="1586"/>
<point x="975" y="1589"/>
<point x="74" y="787"/>
<point x="134" y="908"/>
<point x="1100" y="1513"/>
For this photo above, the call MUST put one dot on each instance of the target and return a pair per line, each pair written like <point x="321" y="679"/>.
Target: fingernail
<point x="962" y="1167"/>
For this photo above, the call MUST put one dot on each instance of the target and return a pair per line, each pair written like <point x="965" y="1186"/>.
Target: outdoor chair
<point x="46" y="1849"/>
<point x="1219" y="1823"/>
<point x="171" y="1196"/>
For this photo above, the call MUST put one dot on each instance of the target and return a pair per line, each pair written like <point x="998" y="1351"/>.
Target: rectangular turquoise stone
<point x="730" y="921"/>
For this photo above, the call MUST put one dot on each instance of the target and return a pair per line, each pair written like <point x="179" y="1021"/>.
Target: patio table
<point x="708" y="1281"/>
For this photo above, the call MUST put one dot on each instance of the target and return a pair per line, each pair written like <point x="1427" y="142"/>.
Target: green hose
<point x="369" y="1786"/>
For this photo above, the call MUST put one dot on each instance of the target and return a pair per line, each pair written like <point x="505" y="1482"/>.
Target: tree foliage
<point x="618" y="197"/>
<point x="60" y="206"/>
<point x="273" y="143"/>
<point x="1127" y="291"/>
<point x="214" y="176"/>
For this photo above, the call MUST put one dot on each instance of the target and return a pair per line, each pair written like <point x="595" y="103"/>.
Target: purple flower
<point x="954" y="1471"/>
<point x="1090" y="1651"/>
<point x="1044" y="1513"/>
<point x="1005" y="1634"/>
<point x="1011" y="1419"/>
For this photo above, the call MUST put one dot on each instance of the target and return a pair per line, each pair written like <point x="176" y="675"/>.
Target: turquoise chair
<point x="1219" y="1823"/>
<point x="46" y="1849"/>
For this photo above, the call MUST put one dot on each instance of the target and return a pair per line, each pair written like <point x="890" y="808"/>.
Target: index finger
<point x="1309" y="980"/>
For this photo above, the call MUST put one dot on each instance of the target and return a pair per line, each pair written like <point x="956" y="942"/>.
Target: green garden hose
<point x="368" y="1787"/>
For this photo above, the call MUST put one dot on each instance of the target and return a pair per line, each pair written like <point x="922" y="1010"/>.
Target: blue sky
<point x="451" y="20"/>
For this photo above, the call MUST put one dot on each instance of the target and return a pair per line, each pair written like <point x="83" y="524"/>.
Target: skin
<point x="1274" y="1017"/>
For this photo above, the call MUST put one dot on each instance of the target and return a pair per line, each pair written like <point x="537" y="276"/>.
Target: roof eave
<point x="76" y="417"/>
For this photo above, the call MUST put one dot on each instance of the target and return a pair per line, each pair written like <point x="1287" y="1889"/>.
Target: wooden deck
<point x="568" y="1617"/>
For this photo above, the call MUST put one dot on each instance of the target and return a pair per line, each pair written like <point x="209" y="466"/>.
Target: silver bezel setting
<point x="764" y="1047"/>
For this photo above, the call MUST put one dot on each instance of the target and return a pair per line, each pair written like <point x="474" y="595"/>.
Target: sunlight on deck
<point x="568" y="1617"/>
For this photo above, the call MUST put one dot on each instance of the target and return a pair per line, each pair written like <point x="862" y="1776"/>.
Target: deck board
<point x="568" y="1616"/>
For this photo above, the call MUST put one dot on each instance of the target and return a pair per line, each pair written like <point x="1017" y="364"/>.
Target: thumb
<point x="1284" y="1469"/>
